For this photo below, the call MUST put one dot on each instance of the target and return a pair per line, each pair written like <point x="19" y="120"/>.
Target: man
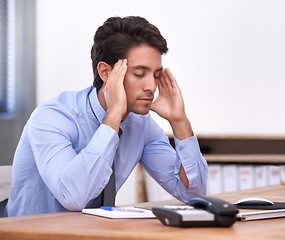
<point x="70" y="147"/>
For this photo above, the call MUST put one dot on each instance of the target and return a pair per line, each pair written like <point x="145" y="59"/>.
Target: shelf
<point x="246" y="158"/>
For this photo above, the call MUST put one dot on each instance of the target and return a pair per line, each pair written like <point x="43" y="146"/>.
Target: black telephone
<point x="200" y="212"/>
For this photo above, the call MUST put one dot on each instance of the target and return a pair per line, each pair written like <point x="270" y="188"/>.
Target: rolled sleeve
<point x="105" y="148"/>
<point x="195" y="166"/>
<point x="188" y="151"/>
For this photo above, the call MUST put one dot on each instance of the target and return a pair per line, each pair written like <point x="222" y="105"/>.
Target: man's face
<point x="144" y="67"/>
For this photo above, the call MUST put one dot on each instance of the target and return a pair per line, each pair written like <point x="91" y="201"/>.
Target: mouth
<point x="146" y="100"/>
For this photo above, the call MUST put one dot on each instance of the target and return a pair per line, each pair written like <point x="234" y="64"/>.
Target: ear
<point x="104" y="70"/>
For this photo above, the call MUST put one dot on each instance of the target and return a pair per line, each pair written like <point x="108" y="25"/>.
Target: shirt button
<point x="181" y="148"/>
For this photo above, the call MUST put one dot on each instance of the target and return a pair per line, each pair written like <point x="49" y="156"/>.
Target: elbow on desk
<point x="71" y="201"/>
<point x="72" y="205"/>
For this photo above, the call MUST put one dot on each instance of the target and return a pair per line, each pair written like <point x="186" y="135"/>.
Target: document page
<point x="124" y="212"/>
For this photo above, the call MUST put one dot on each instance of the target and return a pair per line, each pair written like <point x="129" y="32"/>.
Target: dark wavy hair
<point x="117" y="36"/>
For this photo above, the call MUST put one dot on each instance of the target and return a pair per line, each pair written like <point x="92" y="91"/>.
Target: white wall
<point x="227" y="56"/>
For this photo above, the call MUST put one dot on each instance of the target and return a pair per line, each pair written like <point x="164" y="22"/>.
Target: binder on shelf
<point x="214" y="183"/>
<point x="260" y="176"/>
<point x="274" y="175"/>
<point x="230" y="178"/>
<point x="246" y="177"/>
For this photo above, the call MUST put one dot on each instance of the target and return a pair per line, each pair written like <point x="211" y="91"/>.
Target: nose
<point x="151" y="84"/>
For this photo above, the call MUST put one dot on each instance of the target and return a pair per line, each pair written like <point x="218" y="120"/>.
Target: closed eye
<point x="139" y="75"/>
<point x="157" y="73"/>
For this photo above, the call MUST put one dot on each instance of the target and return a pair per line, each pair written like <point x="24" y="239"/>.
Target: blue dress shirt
<point x="65" y="155"/>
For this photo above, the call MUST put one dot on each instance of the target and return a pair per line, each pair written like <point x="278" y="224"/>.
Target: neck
<point x="101" y="99"/>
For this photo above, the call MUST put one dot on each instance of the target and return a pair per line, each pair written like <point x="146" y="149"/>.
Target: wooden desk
<point x="74" y="225"/>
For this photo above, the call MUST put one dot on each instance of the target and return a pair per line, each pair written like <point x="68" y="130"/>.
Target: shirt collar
<point x="95" y="105"/>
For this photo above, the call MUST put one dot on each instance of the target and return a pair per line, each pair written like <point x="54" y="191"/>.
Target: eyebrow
<point x="144" y="68"/>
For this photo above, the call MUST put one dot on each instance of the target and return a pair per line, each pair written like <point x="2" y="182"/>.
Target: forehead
<point x="144" y="56"/>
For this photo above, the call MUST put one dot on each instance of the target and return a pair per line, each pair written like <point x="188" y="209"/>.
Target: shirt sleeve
<point x="163" y="163"/>
<point x="74" y="178"/>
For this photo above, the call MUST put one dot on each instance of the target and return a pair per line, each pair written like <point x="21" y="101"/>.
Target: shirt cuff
<point x="105" y="142"/>
<point x="188" y="150"/>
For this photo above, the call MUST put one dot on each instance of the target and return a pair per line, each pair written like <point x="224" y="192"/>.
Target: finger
<point x="119" y="70"/>
<point x="159" y="85"/>
<point x="162" y="84"/>
<point x="118" y="66"/>
<point x="123" y="68"/>
<point x="169" y="78"/>
<point x="166" y="81"/>
<point x="163" y="78"/>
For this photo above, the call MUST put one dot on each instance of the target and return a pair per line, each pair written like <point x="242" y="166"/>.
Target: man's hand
<point x="169" y="105"/>
<point x="115" y="95"/>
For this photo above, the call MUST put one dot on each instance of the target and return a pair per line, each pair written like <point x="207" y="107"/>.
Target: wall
<point x="228" y="56"/>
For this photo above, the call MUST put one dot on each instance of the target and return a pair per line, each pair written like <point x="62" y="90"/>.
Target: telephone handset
<point x="200" y="212"/>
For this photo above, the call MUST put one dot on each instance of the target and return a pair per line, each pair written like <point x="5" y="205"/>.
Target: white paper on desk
<point x="120" y="214"/>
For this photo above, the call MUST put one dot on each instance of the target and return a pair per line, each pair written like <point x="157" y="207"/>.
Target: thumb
<point x="155" y="107"/>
